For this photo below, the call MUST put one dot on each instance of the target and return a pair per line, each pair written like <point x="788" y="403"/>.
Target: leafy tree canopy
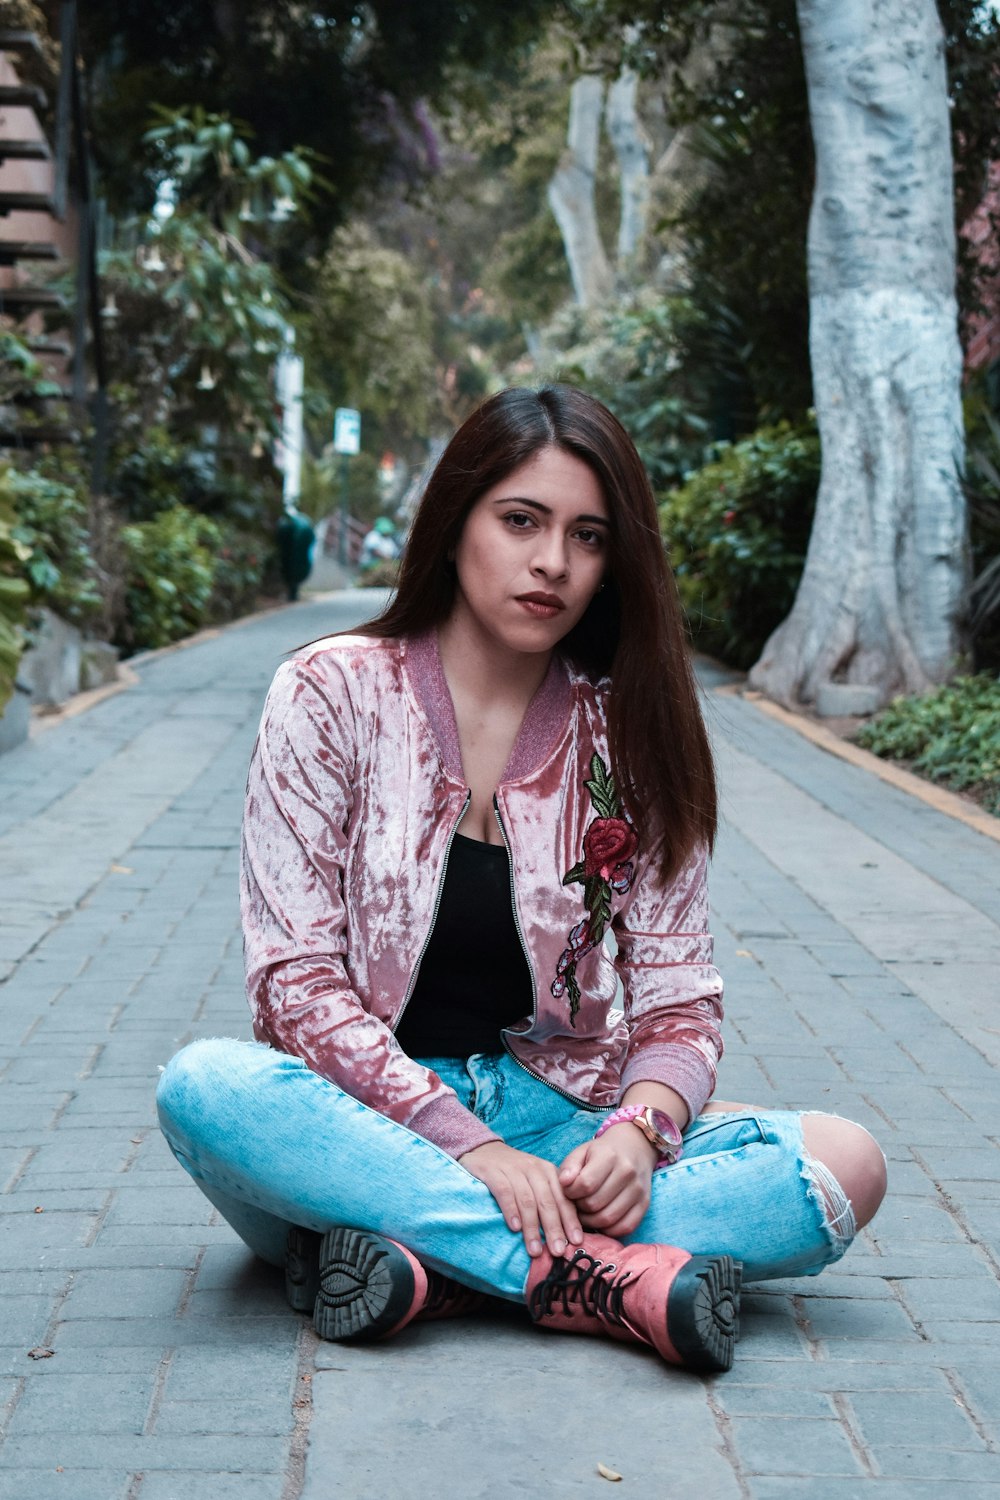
<point x="342" y="78"/>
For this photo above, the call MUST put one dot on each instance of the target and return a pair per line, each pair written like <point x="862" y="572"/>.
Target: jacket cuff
<point x="679" y="1068"/>
<point x="448" y="1125"/>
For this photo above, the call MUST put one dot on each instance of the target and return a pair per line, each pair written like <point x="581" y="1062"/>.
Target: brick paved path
<point x="859" y="932"/>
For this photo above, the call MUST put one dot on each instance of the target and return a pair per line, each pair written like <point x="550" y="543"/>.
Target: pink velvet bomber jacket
<point x="354" y="794"/>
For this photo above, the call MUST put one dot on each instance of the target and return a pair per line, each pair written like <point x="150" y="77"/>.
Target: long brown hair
<point x="633" y="630"/>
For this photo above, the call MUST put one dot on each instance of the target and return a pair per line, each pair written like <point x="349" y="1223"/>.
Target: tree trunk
<point x="628" y="140"/>
<point x="571" y="194"/>
<point x="880" y="595"/>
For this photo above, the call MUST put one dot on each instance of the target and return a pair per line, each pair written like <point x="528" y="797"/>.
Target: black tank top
<point x="474" y="977"/>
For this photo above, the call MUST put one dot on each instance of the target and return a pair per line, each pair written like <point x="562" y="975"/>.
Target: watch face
<point x="664" y="1126"/>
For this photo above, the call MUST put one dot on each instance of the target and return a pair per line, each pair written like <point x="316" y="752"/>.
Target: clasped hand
<point x="603" y="1185"/>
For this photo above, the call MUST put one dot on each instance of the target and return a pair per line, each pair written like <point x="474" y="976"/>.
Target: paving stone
<point x="828" y="1488"/>
<point x="150" y="1292"/>
<point x="914" y="1419"/>
<point x="64" y="1403"/>
<point x="243" y="1415"/>
<point x="167" y="1333"/>
<point x="192" y="1485"/>
<point x="795" y="1445"/>
<point x="847" y="1318"/>
<point x="135" y="1453"/>
<point x="65" y="1484"/>
<point x="199" y="1372"/>
<point x="939" y="1464"/>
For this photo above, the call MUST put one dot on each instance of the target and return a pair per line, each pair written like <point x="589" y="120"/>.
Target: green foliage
<point x="52" y="528"/>
<point x="346" y="81"/>
<point x="14" y="597"/>
<point x="951" y="734"/>
<point x="632" y="356"/>
<point x="209" y="160"/>
<point x="171" y="563"/>
<point x="370" y="334"/>
<point x="983" y="493"/>
<point x="241" y="563"/>
<point x="737" y="533"/>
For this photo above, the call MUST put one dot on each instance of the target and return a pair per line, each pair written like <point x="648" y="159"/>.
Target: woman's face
<point x="532" y="553"/>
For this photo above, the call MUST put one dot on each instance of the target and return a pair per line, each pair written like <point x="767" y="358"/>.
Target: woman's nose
<point x="551" y="556"/>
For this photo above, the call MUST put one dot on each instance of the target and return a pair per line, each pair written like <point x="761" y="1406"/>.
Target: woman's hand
<point x="609" y="1179"/>
<point x="528" y="1192"/>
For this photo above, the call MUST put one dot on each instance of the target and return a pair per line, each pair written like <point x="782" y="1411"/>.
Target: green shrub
<point x="14" y="596"/>
<point x="171" y="565"/>
<point x="737" y="533"/>
<point x="239" y="573"/>
<point x="53" y="528"/>
<point x="951" y="734"/>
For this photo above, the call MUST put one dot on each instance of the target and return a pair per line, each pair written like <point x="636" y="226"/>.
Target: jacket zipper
<point x="573" y="1098"/>
<point x="434" y="914"/>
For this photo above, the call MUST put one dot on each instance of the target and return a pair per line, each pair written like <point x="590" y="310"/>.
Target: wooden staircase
<point x="38" y="413"/>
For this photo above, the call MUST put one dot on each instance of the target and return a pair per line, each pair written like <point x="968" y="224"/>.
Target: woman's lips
<point x="542" y="606"/>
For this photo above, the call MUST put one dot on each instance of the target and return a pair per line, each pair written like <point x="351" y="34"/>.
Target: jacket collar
<point x="543" y="722"/>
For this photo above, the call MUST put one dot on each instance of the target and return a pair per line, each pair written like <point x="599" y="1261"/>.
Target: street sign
<point x="346" y="430"/>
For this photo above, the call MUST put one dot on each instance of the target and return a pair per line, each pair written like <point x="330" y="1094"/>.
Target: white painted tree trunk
<point x="884" y="576"/>
<point x="571" y="194"/>
<point x="630" y="147"/>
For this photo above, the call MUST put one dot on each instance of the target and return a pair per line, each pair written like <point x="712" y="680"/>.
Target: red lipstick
<point x="542" y="606"/>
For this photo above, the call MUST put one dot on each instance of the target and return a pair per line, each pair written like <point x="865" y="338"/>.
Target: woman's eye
<point x="590" y="538"/>
<point x="519" y="520"/>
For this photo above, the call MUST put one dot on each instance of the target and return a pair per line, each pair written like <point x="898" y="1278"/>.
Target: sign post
<point x="346" y="442"/>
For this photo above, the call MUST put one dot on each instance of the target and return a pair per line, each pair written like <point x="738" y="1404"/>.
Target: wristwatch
<point x="656" y="1125"/>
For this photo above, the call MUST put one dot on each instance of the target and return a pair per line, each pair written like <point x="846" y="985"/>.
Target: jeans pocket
<point x="719" y="1134"/>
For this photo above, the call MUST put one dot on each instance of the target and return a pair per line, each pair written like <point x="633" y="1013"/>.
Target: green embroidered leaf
<point x="602" y="806"/>
<point x="602" y="789"/>
<point x="577" y="873"/>
<point x="573" y="991"/>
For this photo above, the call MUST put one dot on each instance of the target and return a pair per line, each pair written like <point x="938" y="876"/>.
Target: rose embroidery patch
<point x="609" y="850"/>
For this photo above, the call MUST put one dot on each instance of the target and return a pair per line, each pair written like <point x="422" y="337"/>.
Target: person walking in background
<point x="380" y="545"/>
<point x="447" y="813"/>
<point x="296" y="543"/>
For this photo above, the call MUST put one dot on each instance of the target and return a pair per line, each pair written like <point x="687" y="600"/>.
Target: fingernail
<point x="535" y="1247"/>
<point x="558" y="1246"/>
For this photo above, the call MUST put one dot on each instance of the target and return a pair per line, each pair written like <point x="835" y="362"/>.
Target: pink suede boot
<point x="364" y="1286"/>
<point x="685" y="1306"/>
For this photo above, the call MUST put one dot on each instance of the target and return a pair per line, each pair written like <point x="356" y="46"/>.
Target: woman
<point x="446" y="813"/>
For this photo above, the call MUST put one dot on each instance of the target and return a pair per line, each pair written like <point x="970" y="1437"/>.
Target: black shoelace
<point x="585" y="1280"/>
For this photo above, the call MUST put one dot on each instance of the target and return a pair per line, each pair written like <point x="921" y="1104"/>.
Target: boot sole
<point x="302" y="1268"/>
<point x="366" y="1286"/>
<point x="703" y="1312"/>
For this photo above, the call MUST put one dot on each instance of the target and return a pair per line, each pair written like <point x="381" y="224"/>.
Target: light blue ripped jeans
<point x="272" y="1144"/>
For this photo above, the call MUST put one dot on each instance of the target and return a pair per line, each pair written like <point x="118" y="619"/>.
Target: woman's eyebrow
<point x="546" y="510"/>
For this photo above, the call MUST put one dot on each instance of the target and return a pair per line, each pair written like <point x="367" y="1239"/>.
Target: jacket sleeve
<point x="673" y="992"/>
<point x="299" y="800"/>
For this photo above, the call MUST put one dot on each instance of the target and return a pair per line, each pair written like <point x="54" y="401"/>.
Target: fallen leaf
<point x="607" y="1473"/>
<point x="39" y="1210"/>
<point x="123" y="869"/>
<point x="40" y="1353"/>
<point x="744" y="953"/>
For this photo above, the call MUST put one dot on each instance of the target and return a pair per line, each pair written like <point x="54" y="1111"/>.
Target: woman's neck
<point x="479" y="671"/>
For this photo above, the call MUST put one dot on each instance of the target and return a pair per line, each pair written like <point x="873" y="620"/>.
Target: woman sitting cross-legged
<point x="447" y="812"/>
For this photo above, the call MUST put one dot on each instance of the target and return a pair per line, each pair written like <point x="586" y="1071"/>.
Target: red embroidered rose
<point x="608" y="844"/>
